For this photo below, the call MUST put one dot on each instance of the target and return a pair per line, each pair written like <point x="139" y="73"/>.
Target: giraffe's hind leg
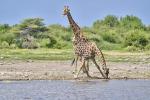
<point x="98" y="67"/>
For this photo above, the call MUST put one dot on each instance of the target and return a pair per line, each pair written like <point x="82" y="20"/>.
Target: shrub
<point x="60" y="44"/>
<point x="147" y="47"/>
<point x="8" y="37"/>
<point x="30" y="45"/>
<point x="44" y="42"/>
<point x="111" y="37"/>
<point x="109" y="46"/>
<point x="96" y="38"/>
<point x="136" y="39"/>
<point x="52" y="42"/>
<point x="13" y="46"/>
<point x="4" y="44"/>
<point x="19" y="42"/>
<point x="66" y="36"/>
<point x="57" y="46"/>
<point x="131" y="48"/>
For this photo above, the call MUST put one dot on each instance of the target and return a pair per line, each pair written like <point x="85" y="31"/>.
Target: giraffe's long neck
<point x="73" y="24"/>
<point x="78" y="35"/>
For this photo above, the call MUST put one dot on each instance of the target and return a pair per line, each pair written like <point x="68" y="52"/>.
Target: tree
<point x="97" y="24"/>
<point x="136" y="39"/>
<point x="111" y="21"/>
<point x="4" y="28"/>
<point x="131" y="22"/>
<point x="32" y="22"/>
<point x="36" y="24"/>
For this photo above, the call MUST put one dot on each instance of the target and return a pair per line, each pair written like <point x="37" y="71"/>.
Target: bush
<point x="8" y="37"/>
<point x="13" y="46"/>
<point x="109" y="46"/>
<point x="96" y="38"/>
<point x="44" y="42"/>
<point x="136" y="39"/>
<point x="66" y="36"/>
<point x="147" y="47"/>
<point x="30" y="45"/>
<point x="111" y="33"/>
<point x="4" y="44"/>
<point x="131" y="48"/>
<point x="52" y="42"/>
<point x="111" y="37"/>
<point x="60" y="45"/>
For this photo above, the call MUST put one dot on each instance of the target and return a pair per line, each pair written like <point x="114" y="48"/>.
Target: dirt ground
<point x="49" y="70"/>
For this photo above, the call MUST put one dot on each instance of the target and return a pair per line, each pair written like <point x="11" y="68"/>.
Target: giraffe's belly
<point x="85" y="50"/>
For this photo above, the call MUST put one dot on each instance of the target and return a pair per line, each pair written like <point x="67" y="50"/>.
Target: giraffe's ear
<point x="68" y="8"/>
<point x="65" y="7"/>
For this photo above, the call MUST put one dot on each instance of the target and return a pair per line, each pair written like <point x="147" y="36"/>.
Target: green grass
<point x="37" y="54"/>
<point x="68" y="54"/>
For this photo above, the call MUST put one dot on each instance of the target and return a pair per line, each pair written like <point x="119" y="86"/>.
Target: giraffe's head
<point x="66" y="10"/>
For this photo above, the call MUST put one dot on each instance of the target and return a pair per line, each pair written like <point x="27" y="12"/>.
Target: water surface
<point x="75" y="90"/>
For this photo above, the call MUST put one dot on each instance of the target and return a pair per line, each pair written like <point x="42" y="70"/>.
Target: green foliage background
<point x="112" y="33"/>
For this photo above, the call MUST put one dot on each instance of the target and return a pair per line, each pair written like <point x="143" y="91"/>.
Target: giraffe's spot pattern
<point x="82" y="46"/>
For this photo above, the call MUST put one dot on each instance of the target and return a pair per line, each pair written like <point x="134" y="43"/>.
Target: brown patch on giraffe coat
<point x="82" y="46"/>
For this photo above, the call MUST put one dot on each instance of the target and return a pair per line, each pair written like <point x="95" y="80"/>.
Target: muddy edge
<point x="62" y="70"/>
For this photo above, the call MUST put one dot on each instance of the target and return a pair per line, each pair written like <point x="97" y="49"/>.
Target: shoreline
<point x="80" y="79"/>
<point x="17" y="70"/>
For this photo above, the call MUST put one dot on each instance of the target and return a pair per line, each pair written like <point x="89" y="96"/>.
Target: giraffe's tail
<point x="103" y="62"/>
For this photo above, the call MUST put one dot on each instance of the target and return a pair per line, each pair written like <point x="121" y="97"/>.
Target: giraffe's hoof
<point x="107" y="77"/>
<point x="73" y="72"/>
<point x="89" y="76"/>
<point x="75" y="76"/>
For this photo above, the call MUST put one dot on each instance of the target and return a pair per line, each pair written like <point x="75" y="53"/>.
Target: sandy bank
<point x="47" y="70"/>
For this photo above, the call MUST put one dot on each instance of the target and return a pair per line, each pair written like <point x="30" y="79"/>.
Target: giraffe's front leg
<point x="98" y="67"/>
<point x="87" y="65"/>
<point x="87" y="68"/>
<point x="75" y="65"/>
<point x="75" y="60"/>
<point x="82" y="65"/>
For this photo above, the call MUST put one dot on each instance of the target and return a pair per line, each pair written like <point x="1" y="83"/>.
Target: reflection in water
<point x="75" y="90"/>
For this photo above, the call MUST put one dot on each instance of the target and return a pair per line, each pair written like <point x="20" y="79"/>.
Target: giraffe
<point x="85" y="49"/>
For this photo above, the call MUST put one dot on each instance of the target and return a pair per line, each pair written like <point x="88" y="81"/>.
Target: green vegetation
<point x="36" y="54"/>
<point x="67" y="54"/>
<point x="112" y="33"/>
